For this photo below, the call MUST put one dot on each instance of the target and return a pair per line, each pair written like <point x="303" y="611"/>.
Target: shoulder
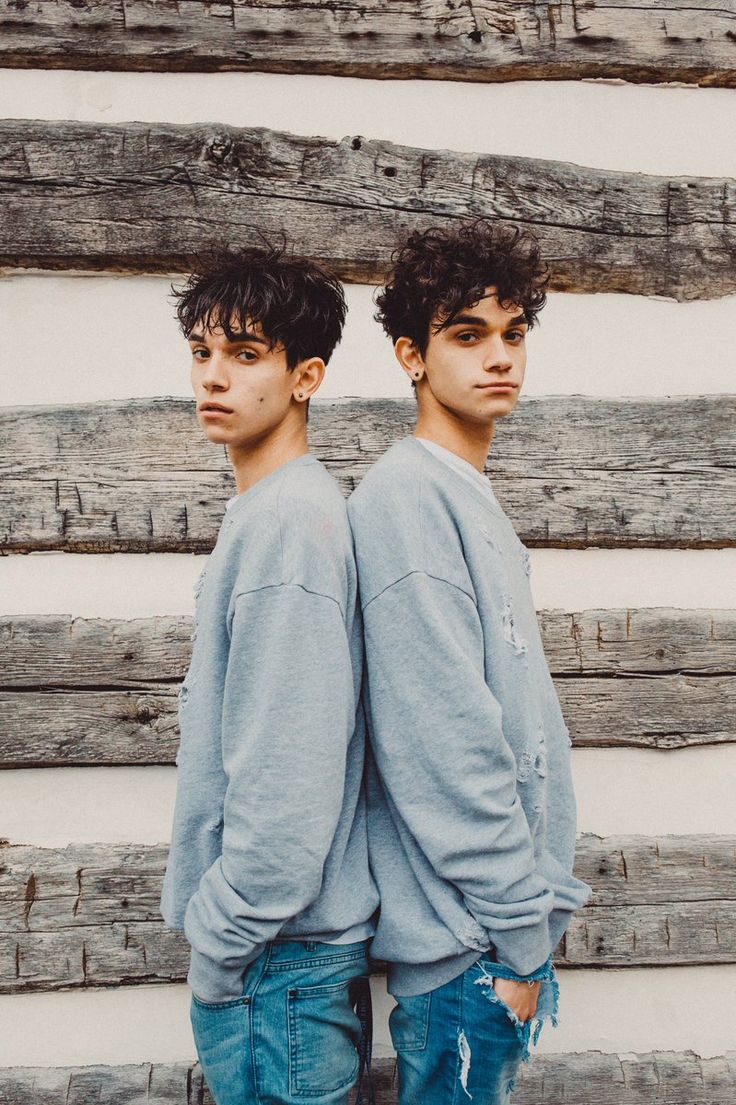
<point x="296" y="532"/>
<point x="312" y="512"/>
<point x="403" y="520"/>
<point x="315" y="542"/>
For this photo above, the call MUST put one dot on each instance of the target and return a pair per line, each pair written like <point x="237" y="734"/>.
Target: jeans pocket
<point x="409" y="1022"/>
<point x="324" y="1032"/>
<point x="229" y="1003"/>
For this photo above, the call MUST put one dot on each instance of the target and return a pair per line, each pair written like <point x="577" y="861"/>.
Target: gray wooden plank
<point x="139" y="476"/>
<point x="62" y="651"/>
<point x="77" y="691"/>
<point x="91" y="727"/>
<point x="87" y="915"/>
<point x="143" y="197"/>
<point x="483" y="41"/>
<point x="577" y="1078"/>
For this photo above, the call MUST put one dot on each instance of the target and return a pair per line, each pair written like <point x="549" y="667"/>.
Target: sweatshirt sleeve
<point x="439" y="744"/>
<point x="288" y="717"/>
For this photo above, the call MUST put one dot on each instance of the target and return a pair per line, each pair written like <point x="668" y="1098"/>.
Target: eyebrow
<point x="476" y="320"/>
<point x="237" y="339"/>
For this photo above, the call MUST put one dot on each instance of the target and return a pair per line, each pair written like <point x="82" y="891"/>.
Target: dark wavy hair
<point x="293" y="299"/>
<point x="440" y="271"/>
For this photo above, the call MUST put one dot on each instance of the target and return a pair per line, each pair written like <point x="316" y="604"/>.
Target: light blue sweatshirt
<point x="471" y="808"/>
<point x="269" y="834"/>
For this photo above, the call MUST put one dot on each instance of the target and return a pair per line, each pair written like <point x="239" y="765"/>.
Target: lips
<point x="215" y="407"/>
<point x="499" y="386"/>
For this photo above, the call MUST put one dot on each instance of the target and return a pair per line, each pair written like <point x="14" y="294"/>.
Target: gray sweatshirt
<point x="269" y="834"/>
<point x="471" y="809"/>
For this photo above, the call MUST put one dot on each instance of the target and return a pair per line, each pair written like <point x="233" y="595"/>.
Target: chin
<point x="215" y="435"/>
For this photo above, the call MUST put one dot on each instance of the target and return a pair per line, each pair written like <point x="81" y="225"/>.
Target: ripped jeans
<point x="461" y="1042"/>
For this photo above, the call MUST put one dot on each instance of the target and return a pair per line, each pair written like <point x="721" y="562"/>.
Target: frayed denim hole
<point x="465" y="1055"/>
<point x="523" y="1028"/>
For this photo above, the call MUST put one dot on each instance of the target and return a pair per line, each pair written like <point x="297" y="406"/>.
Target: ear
<point x="410" y="359"/>
<point x="308" y="376"/>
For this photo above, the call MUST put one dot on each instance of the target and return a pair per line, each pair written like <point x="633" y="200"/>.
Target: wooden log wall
<point x="143" y="198"/>
<point x="478" y="41"/>
<point x="584" y="1078"/>
<point x="572" y="472"/>
<point x="82" y="692"/>
<point x="88" y="915"/>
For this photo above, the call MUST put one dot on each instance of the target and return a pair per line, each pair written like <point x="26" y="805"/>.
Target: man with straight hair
<point x="471" y="810"/>
<point x="268" y="870"/>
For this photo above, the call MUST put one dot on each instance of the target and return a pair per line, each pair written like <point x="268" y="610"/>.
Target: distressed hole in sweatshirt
<point x="524" y="768"/>
<point x="465" y="1054"/>
<point x="215" y="826"/>
<point x="540" y="763"/>
<point x="200" y="582"/>
<point x="473" y="938"/>
<point x="509" y="629"/>
<point x="489" y="536"/>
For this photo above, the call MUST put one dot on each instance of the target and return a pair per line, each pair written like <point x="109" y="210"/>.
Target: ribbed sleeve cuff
<point x="523" y="950"/>
<point x="212" y="981"/>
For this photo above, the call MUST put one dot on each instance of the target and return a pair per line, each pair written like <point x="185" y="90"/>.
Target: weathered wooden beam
<point x="76" y="691"/>
<point x="139" y="476"/>
<point x="61" y="651"/>
<point x="577" y="1078"/>
<point x="143" y="198"/>
<point x="87" y="915"/>
<point x="488" y="40"/>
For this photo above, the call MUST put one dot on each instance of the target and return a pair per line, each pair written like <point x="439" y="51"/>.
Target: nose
<point x="214" y="375"/>
<point x="497" y="354"/>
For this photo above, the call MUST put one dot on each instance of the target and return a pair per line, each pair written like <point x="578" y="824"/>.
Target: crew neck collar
<point x="461" y="480"/>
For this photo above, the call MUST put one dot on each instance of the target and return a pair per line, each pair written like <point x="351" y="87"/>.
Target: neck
<point x="471" y="441"/>
<point x="255" y="460"/>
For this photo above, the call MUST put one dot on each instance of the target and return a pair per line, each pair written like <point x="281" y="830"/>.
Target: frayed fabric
<point x="547" y="1005"/>
<point x="463" y="1048"/>
<point x="509" y="629"/>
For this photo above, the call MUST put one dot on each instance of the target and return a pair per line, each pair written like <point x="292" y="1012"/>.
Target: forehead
<point x="211" y="329"/>
<point x="490" y="310"/>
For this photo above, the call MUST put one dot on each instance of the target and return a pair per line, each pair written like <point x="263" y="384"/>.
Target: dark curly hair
<point x="293" y="299"/>
<point x="440" y="271"/>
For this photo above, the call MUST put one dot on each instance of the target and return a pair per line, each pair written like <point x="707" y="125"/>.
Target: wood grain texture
<point x="578" y="1078"/>
<point x="486" y="40"/>
<point x="88" y="915"/>
<point x="144" y="198"/>
<point x="77" y="691"/>
<point x="139" y="476"/>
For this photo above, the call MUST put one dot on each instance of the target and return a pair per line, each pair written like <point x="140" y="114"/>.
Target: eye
<point x="467" y="337"/>
<point x="516" y="335"/>
<point x="248" y="355"/>
<point x="196" y="354"/>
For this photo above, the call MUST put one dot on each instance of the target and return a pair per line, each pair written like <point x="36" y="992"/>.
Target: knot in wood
<point x="221" y="150"/>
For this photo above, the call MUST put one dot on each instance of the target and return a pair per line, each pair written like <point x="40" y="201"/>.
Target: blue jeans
<point x="294" y="1036"/>
<point x="462" y="1042"/>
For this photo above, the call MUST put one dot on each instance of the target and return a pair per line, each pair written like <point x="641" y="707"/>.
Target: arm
<point x="288" y="717"/>
<point x="439" y="744"/>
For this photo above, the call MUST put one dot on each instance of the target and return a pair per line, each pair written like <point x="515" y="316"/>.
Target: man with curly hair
<point x="268" y="871"/>
<point x="471" y="809"/>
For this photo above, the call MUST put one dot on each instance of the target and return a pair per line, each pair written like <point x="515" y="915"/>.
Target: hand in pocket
<point x="519" y="996"/>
